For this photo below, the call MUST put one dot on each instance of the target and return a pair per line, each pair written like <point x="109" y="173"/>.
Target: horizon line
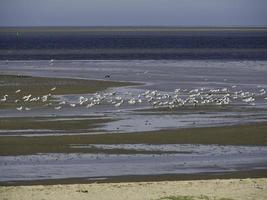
<point x="129" y="28"/>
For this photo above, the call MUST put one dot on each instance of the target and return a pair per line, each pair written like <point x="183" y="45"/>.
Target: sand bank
<point x="199" y="189"/>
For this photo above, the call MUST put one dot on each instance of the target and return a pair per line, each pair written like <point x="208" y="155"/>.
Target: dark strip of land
<point x="39" y="86"/>
<point x="42" y="85"/>
<point x="125" y="29"/>
<point x="252" y="134"/>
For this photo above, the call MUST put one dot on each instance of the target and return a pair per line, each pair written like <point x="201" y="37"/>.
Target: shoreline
<point x="143" y="178"/>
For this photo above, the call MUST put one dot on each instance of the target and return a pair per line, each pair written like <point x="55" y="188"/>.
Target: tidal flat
<point x="81" y="121"/>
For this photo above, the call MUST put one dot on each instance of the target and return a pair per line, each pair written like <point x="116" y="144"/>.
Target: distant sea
<point x="129" y="43"/>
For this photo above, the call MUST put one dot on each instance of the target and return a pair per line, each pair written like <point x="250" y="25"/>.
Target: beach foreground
<point x="216" y="189"/>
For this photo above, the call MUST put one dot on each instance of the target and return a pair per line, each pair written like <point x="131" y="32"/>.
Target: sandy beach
<point x="225" y="189"/>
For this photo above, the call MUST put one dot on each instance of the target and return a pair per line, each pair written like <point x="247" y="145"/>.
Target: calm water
<point x="202" y="159"/>
<point x="133" y="44"/>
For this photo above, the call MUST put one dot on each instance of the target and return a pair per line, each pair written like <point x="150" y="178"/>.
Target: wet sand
<point x="230" y="189"/>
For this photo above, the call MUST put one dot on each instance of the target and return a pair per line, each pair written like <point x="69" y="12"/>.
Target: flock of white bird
<point x="154" y="98"/>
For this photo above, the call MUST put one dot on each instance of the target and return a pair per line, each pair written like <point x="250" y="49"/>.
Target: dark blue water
<point x="161" y="44"/>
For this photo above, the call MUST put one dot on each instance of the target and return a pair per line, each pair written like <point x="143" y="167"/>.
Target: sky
<point x="133" y="12"/>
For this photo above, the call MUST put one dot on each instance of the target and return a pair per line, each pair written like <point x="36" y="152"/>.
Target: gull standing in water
<point x="19" y="108"/>
<point x="52" y="89"/>
<point x="119" y="103"/>
<point x="57" y="107"/>
<point x="4" y="98"/>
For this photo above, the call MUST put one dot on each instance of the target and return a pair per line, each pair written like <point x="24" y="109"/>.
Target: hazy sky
<point x="133" y="12"/>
